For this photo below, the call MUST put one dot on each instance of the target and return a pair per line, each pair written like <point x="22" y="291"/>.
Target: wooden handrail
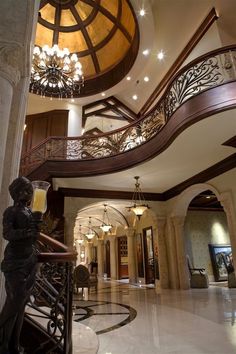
<point x="62" y="253"/>
<point x="56" y="245"/>
<point x="57" y="257"/>
<point x="209" y="71"/>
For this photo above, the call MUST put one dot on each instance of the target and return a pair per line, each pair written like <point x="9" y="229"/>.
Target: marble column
<point x="178" y="222"/>
<point x="113" y="258"/>
<point x="171" y="255"/>
<point x="162" y="253"/>
<point x="15" y="65"/>
<point x="100" y="256"/>
<point x="227" y="203"/>
<point x="89" y="252"/>
<point x="130" y="232"/>
<point x="69" y="230"/>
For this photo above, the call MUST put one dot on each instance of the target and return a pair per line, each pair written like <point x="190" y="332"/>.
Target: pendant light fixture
<point x="106" y="225"/>
<point x="139" y="205"/>
<point x="90" y="234"/>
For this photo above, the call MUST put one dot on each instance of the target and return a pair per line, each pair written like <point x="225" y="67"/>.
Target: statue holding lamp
<point x="21" y="229"/>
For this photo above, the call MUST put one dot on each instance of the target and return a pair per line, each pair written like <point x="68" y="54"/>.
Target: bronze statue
<point x="20" y="229"/>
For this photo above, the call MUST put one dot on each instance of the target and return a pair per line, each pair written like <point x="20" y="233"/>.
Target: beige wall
<point x="201" y="229"/>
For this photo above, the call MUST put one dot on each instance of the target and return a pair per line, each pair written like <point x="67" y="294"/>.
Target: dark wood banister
<point x="182" y="70"/>
<point x="134" y="124"/>
<point x="62" y="253"/>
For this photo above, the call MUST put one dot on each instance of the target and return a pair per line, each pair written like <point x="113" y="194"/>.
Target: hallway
<point x="137" y="320"/>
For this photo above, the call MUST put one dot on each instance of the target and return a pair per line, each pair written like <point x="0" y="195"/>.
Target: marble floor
<point x="131" y="319"/>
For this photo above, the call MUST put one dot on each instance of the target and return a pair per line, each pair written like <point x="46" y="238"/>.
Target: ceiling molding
<point x="105" y="194"/>
<point x="231" y="142"/>
<point x="221" y="167"/>
<point x="202" y="29"/>
<point x="204" y="176"/>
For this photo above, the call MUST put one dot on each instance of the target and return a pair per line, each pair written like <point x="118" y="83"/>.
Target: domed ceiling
<point x="103" y="33"/>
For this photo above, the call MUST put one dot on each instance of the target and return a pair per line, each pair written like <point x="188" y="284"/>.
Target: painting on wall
<point x="221" y="257"/>
<point x="139" y="250"/>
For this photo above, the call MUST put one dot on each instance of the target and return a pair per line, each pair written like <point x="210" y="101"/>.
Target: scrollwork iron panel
<point x="211" y="71"/>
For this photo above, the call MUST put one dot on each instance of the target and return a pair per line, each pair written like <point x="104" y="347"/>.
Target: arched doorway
<point x="179" y="275"/>
<point x="206" y="236"/>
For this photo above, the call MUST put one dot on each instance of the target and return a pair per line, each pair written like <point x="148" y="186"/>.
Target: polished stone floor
<point x="139" y="320"/>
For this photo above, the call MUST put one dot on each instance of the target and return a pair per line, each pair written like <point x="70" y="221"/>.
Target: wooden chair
<point x="83" y="279"/>
<point x="198" y="276"/>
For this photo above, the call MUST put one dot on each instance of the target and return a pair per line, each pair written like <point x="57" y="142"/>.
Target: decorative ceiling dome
<point x="103" y="33"/>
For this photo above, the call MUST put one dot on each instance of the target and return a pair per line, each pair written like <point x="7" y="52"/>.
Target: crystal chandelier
<point x="139" y="204"/>
<point x="106" y="226"/>
<point x="90" y="234"/>
<point x="55" y="72"/>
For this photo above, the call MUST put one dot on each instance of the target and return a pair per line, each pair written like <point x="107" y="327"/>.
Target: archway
<point x="207" y="240"/>
<point x="178" y="216"/>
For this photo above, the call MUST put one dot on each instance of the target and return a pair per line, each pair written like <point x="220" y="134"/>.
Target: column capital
<point x="161" y="221"/>
<point x="225" y="200"/>
<point x="100" y="240"/>
<point x="11" y="54"/>
<point x="111" y="238"/>
<point x="178" y="220"/>
<point x="130" y="232"/>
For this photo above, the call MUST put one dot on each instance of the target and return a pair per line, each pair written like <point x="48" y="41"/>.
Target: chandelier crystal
<point x="139" y="205"/>
<point x="106" y="225"/>
<point x="55" y="72"/>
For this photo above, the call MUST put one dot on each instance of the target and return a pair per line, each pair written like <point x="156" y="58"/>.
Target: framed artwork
<point x="220" y="254"/>
<point x="139" y="251"/>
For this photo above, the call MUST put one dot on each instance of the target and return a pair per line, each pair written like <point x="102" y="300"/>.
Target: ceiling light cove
<point x="146" y="52"/>
<point x="142" y="12"/>
<point x="160" y="55"/>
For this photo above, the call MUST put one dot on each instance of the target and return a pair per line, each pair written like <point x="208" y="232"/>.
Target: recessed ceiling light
<point x="142" y="12"/>
<point x="103" y="94"/>
<point x="146" y="52"/>
<point x="135" y="97"/>
<point x="146" y="78"/>
<point x="72" y="100"/>
<point x="128" y="78"/>
<point x="208" y="197"/>
<point x="160" y="55"/>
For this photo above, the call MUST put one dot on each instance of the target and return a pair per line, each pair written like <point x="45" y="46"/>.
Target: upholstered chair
<point x="198" y="276"/>
<point x="83" y="278"/>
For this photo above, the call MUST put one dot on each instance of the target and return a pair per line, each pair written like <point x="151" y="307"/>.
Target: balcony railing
<point x="211" y="70"/>
<point x="49" y="312"/>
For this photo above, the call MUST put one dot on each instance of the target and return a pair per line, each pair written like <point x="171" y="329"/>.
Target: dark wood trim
<point x="205" y="209"/>
<point x="207" y="103"/>
<point x="106" y="194"/>
<point x="120" y="109"/>
<point x="87" y="40"/>
<point x="57" y="24"/>
<point x="231" y="142"/>
<point x="202" y="29"/>
<point x="219" y="168"/>
<point x="123" y="106"/>
<point x="211" y="172"/>
<point x="113" y="19"/>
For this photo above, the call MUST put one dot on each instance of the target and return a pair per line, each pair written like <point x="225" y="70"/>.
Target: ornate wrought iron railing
<point x="50" y="307"/>
<point x="213" y="69"/>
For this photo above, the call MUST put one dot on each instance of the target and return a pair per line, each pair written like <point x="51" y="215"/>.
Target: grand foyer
<point x="193" y="152"/>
